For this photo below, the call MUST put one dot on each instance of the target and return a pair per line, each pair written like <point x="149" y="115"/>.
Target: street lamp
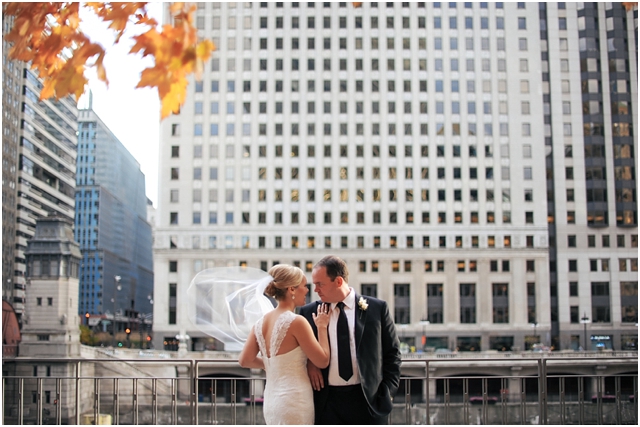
<point x="585" y="320"/>
<point x="116" y="288"/>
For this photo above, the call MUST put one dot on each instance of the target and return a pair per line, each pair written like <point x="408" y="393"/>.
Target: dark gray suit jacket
<point x="378" y="354"/>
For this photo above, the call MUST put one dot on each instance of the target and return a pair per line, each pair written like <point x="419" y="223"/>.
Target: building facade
<point x="111" y="225"/>
<point x="38" y="169"/>
<point x="442" y="149"/>
<point x="11" y="109"/>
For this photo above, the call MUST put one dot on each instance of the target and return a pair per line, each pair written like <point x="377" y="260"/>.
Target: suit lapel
<point x="360" y="320"/>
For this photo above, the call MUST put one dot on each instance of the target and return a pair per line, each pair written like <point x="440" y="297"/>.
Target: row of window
<point x="455" y="173"/>
<point x="294" y="43"/>
<point x="406" y="107"/>
<point x="605" y="241"/>
<point x="441" y="151"/>
<point x="372" y="5"/>
<point x="375" y="22"/>
<point x="392" y="151"/>
<point x="439" y="64"/>
<point x="603" y="265"/>
<point x="399" y="266"/>
<point x="278" y="86"/>
<point x="393" y="242"/>
<point x="376" y="196"/>
<point x="277" y="218"/>
<point x="455" y="129"/>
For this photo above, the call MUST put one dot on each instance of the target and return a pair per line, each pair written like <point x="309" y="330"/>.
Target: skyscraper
<point x="11" y="95"/>
<point x="38" y="167"/>
<point x="111" y="224"/>
<point x="461" y="157"/>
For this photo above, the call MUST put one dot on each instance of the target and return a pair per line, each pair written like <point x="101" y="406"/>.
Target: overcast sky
<point x="133" y="115"/>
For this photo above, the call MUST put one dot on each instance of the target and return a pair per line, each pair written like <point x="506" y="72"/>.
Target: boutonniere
<point x="363" y="304"/>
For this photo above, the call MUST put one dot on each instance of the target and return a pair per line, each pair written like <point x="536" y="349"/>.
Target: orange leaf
<point x="48" y="36"/>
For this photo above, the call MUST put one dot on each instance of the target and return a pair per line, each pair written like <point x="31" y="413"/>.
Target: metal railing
<point x="547" y="390"/>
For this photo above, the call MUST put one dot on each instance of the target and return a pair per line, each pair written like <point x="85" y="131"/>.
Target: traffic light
<point x="127" y="331"/>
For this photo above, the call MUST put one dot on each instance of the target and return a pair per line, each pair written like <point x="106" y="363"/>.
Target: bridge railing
<point x="152" y="391"/>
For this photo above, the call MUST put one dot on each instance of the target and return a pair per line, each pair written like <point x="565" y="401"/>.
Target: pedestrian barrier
<point x="165" y="391"/>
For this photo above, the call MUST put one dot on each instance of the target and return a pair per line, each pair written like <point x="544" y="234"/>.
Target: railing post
<point x="618" y="401"/>
<point x="503" y="399"/>
<point x="20" y="401"/>
<point x="174" y="407"/>
<point x="154" y="401"/>
<point x="635" y="399"/>
<point x="542" y="395"/>
<point x="58" y="396"/>
<point x="39" y="401"/>
<point x="428" y="394"/>
<point x="233" y="402"/>
<point x="465" y="399"/>
<point x="523" y="400"/>
<point x="562" y="400"/>
<point x="78" y="408"/>
<point x="193" y="368"/>
<point x="116" y="402"/>
<point x="581" y="397"/>
<point x="135" y="401"/>
<point x="599" y="381"/>
<point x="96" y="401"/>
<point x="447" y="399"/>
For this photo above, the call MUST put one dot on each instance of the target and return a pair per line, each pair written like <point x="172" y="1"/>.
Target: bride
<point x="285" y="341"/>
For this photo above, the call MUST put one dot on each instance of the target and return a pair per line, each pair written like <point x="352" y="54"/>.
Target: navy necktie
<point x="345" y="368"/>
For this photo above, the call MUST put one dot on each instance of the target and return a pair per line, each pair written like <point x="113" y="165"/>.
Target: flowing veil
<point x="225" y="302"/>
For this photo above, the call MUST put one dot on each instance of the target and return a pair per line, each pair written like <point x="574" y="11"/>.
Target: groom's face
<point x="328" y="290"/>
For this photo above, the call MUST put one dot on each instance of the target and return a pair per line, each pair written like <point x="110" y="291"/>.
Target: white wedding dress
<point x="288" y="396"/>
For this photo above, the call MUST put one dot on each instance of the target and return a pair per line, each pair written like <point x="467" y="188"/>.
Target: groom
<point x="364" y="369"/>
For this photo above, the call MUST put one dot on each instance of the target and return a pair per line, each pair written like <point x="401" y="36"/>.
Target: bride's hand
<point x="322" y="318"/>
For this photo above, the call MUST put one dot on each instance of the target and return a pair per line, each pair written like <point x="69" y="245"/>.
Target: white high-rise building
<point x="438" y="148"/>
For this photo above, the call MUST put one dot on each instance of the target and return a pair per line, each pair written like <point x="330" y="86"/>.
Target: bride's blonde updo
<point x="284" y="277"/>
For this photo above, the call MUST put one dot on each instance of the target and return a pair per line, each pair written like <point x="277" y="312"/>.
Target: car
<point x="540" y="348"/>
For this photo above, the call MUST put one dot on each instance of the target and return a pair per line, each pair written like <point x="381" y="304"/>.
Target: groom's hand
<point x="315" y="376"/>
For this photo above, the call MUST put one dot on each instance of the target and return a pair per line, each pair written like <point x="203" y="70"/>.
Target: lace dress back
<point x="288" y="396"/>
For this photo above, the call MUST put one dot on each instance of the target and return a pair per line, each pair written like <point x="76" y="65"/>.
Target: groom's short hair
<point x="335" y="266"/>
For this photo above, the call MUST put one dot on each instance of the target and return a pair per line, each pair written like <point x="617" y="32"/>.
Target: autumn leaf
<point x="47" y="35"/>
<point x="176" y="53"/>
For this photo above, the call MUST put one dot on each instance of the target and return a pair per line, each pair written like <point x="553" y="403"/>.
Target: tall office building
<point x="11" y="108"/>
<point x="111" y="224"/>
<point x="38" y="167"/>
<point x="469" y="161"/>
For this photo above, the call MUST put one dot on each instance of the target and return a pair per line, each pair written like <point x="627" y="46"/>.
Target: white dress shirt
<point x="350" y="311"/>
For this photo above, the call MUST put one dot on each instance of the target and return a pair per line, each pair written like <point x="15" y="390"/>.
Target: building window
<point x="435" y="303"/>
<point x="500" y="301"/>
<point x="401" y="293"/>
<point x="467" y="303"/>
<point x="172" y="302"/>
<point x="600" y="304"/>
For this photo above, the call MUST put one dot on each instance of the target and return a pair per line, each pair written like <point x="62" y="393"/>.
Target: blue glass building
<point x="110" y="224"/>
